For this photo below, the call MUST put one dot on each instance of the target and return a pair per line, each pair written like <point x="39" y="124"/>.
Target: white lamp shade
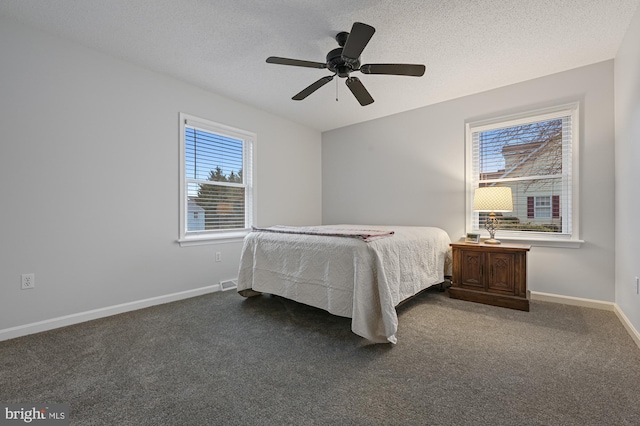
<point x="493" y="199"/>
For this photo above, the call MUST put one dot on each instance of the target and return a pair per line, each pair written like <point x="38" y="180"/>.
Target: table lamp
<point x="492" y="199"/>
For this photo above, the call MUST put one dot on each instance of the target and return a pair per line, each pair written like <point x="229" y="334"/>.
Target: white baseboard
<point x="574" y="301"/>
<point x="590" y="303"/>
<point x="627" y="324"/>
<point x="50" y="324"/>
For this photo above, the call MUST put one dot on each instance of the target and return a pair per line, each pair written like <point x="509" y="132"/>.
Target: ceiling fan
<point x="346" y="59"/>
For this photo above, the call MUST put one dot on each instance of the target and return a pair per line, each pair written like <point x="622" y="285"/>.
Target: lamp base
<point x="492" y="241"/>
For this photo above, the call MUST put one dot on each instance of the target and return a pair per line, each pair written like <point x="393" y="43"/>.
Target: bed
<point x="354" y="271"/>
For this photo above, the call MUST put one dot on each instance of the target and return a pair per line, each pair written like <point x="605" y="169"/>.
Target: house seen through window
<point x="534" y="155"/>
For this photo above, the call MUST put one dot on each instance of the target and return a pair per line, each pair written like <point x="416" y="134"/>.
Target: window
<point x="216" y="187"/>
<point x="543" y="207"/>
<point x="536" y="155"/>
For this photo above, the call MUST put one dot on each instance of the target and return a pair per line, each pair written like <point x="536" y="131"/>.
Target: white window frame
<point x="249" y="171"/>
<point x="567" y="239"/>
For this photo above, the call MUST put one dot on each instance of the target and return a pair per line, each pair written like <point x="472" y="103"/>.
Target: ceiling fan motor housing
<point x="335" y="63"/>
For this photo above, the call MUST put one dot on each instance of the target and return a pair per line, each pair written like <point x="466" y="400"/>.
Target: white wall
<point x="627" y="174"/>
<point x="89" y="179"/>
<point x="409" y="169"/>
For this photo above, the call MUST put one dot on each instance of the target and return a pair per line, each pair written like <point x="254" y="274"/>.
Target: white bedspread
<point x="346" y="276"/>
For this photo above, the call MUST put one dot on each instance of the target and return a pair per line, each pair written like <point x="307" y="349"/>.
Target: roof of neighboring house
<point x="523" y="151"/>
<point x="192" y="205"/>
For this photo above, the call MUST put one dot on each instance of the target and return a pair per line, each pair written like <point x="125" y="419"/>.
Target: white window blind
<point x="534" y="155"/>
<point x="216" y="169"/>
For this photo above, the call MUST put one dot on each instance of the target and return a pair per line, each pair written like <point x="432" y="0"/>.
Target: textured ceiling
<point x="468" y="46"/>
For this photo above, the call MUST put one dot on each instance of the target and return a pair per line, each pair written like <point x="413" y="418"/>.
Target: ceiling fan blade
<point x="359" y="91"/>
<point x="414" y="70"/>
<point x="295" y="62"/>
<point x="312" y="88"/>
<point x="358" y="38"/>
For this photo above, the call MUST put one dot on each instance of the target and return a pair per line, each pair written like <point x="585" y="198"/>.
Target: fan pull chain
<point x="336" y="90"/>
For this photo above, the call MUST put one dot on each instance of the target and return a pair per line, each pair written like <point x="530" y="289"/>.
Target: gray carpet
<point x="221" y="359"/>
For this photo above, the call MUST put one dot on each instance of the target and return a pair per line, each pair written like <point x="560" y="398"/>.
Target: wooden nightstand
<point x="490" y="274"/>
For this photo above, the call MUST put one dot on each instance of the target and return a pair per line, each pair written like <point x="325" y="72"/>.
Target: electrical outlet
<point x="28" y="281"/>
<point x="218" y="256"/>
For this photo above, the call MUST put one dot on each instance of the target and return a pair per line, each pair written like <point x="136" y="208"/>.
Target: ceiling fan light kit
<point x="345" y="59"/>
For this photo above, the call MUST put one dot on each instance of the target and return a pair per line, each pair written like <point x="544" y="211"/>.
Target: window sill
<point x="535" y="241"/>
<point x="540" y="242"/>
<point x="200" y="240"/>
